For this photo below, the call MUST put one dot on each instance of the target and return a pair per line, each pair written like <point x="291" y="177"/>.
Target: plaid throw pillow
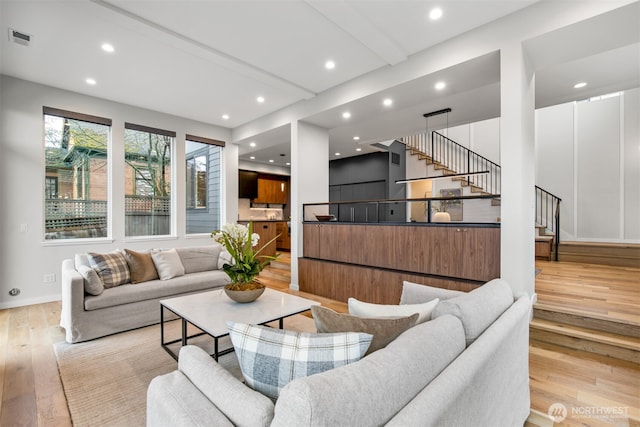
<point x="271" y="358"/>
<point x="112" y="268"/>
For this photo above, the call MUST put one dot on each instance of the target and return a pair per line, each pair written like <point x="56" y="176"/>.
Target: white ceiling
<point x="201" y="59"/>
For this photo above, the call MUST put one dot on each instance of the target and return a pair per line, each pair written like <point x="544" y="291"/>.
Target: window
<point x="147" y="180"/>
<point x="203" y="165"/>
<point x="76" y="180"/>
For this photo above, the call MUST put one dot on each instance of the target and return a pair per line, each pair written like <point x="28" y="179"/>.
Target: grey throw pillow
<point x="383" y="329"/>
<point x="92" y="283"/>
<point x="201" y="258"/>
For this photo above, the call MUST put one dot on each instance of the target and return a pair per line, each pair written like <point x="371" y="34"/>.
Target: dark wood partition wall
<point x="369" y="261"/>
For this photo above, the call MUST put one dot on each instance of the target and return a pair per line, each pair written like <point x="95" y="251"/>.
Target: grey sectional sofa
<point x="466" y="367"/>
<point x="129" y="306"/>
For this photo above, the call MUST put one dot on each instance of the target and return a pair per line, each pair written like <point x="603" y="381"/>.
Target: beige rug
<point x="105" y="380"/>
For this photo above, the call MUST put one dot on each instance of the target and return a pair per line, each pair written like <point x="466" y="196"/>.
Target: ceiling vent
<point x="20" y="37"/>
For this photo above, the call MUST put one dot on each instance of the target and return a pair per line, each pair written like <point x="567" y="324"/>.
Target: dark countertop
<point x="420" y="224"/>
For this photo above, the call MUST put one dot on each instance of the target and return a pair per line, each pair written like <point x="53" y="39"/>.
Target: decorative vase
<point x="441" y="217"/>
<point x="251" y="293"/>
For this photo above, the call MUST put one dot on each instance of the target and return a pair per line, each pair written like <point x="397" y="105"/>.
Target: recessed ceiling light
<point x="107" y="47"/>
<point x="252" y="144"/>
<point x="356" y="138"/>
<point x="387" y="102"/>
<point x="329" y="65"/>
<point x="579" y="85"/>
<point x="91" y="81"/>
<point x="358" y="149"/>
<point x="270" y="160"/>
<point x="260" y="99"/>
<point x="440" y="85"/>
<point x="435" y="13"/>
<point x="225" y="116"/>
<point x="252" y="157"/>
<point x="288" y="164"/>
<point x="337" y="154"/>
<point x="346" y="115"/>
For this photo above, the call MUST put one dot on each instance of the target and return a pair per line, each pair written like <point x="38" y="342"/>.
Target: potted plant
<point x="246" y="263"/>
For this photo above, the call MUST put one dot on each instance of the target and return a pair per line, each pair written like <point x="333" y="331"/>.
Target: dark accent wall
<point x="368" y="177"/>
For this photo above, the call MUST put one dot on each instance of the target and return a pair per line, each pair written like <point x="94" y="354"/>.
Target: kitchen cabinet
<point x="283" y="241"/>
<point x="272" y="189"/>
<point x="267" y="231"/>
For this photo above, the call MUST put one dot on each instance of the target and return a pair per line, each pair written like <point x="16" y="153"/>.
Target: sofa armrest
<point x="240" y="404"/>
<point x="72" y="298"/>
<point x="173" y="401"/>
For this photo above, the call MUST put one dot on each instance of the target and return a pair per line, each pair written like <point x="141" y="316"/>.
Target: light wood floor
<point x="31" y="392"/>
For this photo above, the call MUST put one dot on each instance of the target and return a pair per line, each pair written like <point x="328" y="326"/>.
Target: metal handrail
<point x="548" y="214"/>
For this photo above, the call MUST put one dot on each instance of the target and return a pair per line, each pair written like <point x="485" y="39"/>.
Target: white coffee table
<point x="209" y="312"/>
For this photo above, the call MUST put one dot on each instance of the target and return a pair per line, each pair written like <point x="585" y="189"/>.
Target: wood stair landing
<point x="588" y="309"/>
<point x="619" y="346"/>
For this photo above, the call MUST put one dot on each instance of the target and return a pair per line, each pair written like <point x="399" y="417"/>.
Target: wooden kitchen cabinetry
<point x="272" y="189"/>
<point x="283" y="241"/>
<point x="267" y="231"/>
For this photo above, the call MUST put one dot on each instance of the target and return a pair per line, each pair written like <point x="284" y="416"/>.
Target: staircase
<point x="278" y="271"/>
<point x="566" y="328"/>
<point x="482" y="176"/>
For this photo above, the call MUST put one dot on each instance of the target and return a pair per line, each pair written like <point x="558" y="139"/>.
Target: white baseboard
<point x="30" y="301"/>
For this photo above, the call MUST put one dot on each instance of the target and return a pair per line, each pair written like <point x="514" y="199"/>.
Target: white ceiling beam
<point x="345" y="17"/>
<point x="202" y="50"/>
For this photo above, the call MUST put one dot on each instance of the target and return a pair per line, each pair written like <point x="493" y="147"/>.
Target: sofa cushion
<point x="201" y="258"/>
<point x="478" y="309"/>
<point x="153" y="289"/>
<point x="92" y="283"/>
<point x="271" y="358"/>
<point x="240" y="404"/>
<point x="112" y="268"/>
<point x="414" y="293"/>
<point x="384" y="330"/>
<point x="365" y="309"/>
<point x="371" y="391"/>
<point x="167" y="263"/>
<point x="141" y="266"/>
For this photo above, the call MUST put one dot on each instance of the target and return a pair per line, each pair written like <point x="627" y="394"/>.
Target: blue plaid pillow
<point x="271" y="358"/>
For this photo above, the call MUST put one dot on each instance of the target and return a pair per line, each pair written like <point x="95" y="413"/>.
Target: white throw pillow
<point x="167" y="264"/>
<point x="365" y="309"/>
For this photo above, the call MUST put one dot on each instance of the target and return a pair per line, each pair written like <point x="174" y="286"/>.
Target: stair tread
<point x="577" y="312"/>
<point x="617" y="340"/>
<point x="544" y="237"/>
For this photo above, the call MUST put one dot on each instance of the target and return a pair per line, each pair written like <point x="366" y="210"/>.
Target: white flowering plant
<point x="239" y="240"/>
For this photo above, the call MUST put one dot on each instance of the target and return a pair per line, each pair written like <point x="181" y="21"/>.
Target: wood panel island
<point x="369" y="261"/>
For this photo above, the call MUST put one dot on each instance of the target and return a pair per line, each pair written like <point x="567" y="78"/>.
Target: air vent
<point x="395" y="158"/>
<point x="20" y="37"/>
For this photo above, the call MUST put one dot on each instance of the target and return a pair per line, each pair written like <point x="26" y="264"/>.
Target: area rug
<point x="105" y="380"/>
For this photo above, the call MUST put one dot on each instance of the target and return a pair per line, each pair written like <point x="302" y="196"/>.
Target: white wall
<point x="24" y="256"/>
<point x="588" y="154"/>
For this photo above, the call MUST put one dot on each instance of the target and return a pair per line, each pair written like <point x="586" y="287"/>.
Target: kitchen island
<point x="369" y="261"/>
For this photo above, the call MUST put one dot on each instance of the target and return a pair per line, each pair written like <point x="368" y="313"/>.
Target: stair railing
<point x="460" y="159"/>
<point x="548" y="214"/>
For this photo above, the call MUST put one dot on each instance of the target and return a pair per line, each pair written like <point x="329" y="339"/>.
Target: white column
<point x="309" y="181"/>
<point x="517" y="155"/>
